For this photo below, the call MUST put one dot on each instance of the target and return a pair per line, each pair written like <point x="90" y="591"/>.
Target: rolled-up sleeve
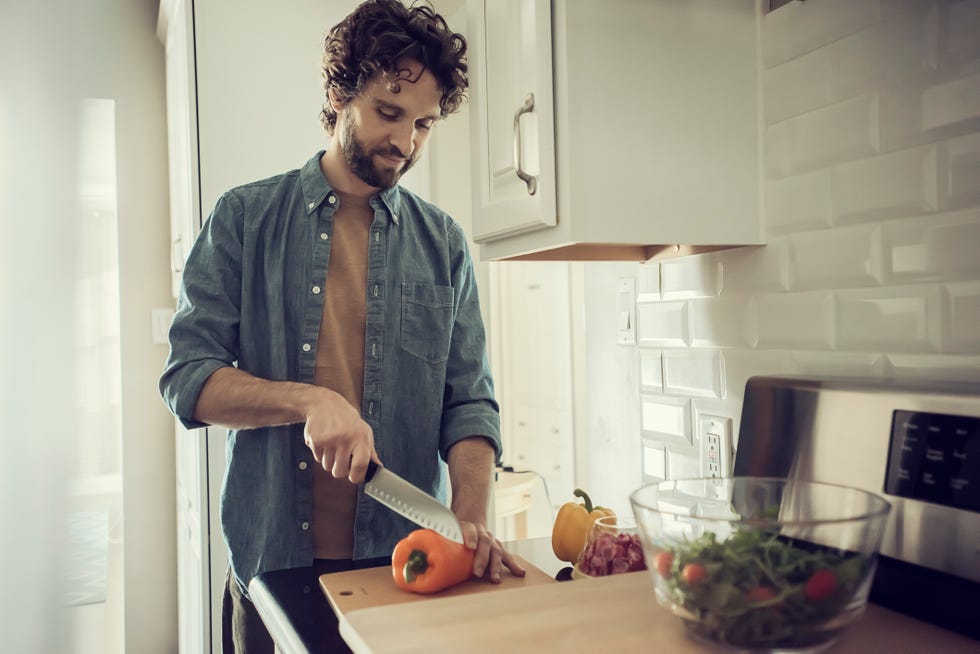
<point x="469" y="407"/>
<point x="205" y="329"/>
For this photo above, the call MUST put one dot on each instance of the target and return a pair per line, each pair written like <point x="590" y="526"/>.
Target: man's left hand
<point x="490" y="558"/>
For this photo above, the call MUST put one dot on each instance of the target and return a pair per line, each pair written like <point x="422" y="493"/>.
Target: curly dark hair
<point x="375" y="37"/>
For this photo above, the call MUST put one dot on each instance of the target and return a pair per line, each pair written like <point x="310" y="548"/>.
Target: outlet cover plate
<point x="716" y="445"/>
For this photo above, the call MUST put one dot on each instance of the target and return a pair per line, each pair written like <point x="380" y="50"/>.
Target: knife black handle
<point x="371" y="469"/>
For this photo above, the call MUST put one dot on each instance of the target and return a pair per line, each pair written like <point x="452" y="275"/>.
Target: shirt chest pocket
<point x="427" y="320"/>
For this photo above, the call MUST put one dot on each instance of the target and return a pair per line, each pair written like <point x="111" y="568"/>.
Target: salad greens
<point x="760" y="589"/>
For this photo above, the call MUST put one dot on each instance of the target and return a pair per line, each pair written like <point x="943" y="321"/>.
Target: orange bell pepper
<point x="427" y="562"/>
<point x="572" y="526"/>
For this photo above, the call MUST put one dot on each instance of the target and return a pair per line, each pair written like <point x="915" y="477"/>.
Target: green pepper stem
<point x="417" y="564"/>
<point x="585" y="496"/>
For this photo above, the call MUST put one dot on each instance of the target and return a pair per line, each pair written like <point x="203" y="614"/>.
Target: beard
<point x="360" y="159"/>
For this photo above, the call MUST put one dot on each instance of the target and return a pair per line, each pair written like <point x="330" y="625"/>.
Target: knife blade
<point x="408" y="500"/>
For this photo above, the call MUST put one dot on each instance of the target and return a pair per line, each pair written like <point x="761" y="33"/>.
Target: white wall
<point x="128" y="66"/>
<point x="872" y="267"/>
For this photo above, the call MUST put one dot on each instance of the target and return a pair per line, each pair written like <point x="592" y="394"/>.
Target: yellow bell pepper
<point x="572" y="526"/>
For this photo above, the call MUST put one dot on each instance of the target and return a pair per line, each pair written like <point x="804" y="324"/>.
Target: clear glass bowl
<point x="761" y="564"/>
<point x="612" y="546"/>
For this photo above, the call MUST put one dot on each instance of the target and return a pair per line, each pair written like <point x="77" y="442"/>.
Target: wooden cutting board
<point x="371" y="587"/>
<point x="609" y="614"/>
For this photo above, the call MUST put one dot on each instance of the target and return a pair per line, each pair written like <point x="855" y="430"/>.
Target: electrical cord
<point x="537" y="474"/>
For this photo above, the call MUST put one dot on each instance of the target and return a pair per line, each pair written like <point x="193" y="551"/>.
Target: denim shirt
<point x="252" y="296"/>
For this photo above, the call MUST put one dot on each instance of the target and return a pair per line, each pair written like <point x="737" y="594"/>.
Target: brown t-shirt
<point x="340" y="365"/>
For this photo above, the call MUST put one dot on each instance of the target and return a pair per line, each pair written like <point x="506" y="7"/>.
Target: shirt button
<point x="305" y="526"/>
<point x="316" y="290"/>
<point x="331" y="199"/>
<point x="306" y="347"/>
<point x="377" y="237"/>
<point x="371" y="408"/>
<point x="323" y="236"/>
<point x="374" y="291"/>
<point x="311" y="205"/>
<point x="374" y="349"/>
<point x="302" y="465"/>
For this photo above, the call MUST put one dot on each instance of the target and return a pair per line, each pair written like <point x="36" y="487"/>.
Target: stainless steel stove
<point x="916" y="444"/>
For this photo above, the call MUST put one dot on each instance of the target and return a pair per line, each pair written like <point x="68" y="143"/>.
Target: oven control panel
<point x="935" y="457"/>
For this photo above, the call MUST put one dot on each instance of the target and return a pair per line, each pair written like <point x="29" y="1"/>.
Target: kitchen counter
<point x="607" y="614"/>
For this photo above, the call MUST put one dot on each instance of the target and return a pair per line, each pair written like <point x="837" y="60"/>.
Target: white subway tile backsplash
<point x="760" y="270"/>
<point x="962" y="161"/>
<point x="841" y="364"/>
<point x="683" y="464"/>
<point x="797" y="86"/>
<point x="810" y="25"/>
<point x="798" y="202"/>
<point x="839" y="258"/>
<point x="923" y="367"/>
<point x="722" y="322"/>
<point x="932" y="247"/>
<point x="740" y="365"/>
<point x="651" y="370"/>
<point x="951" y="102"/>
<point x="795" y="320"/>
<point x="900" y="120"/>
<point x="891" y="9"/>
<point x="648" y="282"/>
<point x="654" y="462"/>
<point x="775" y="44"/>
<point x="928" y="111"/>
<point x="890" y="185"/>
<point x="694" y="373"/>
<point x="842" y="131"/>
<point x="895" y="319"/>
<point x="959" y="23"/>
<point x="900" y="48"/>
<point x="662" y="324"/>
<point x="666" y="419"/>
<point x="964" y="317"/>
<point x="689" y="277"/>
<point x="846" y="130"/>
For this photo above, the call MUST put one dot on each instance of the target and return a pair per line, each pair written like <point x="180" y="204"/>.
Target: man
<point x="329" y="317"/>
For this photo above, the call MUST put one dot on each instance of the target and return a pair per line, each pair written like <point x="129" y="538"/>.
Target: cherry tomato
<point x="760" y="594"/>
<point x="694" y="573"/>
<point x="821" y="585"/>
<point x="662" y="563"/>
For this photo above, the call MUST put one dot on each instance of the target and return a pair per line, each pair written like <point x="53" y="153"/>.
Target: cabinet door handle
<point x="530" y="180"/>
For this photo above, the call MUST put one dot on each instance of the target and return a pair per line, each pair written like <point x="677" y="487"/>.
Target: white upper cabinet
<point x="513" y="117"/>
<point x="621" y="129"/>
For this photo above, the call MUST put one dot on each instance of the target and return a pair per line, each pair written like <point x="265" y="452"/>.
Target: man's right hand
<point x="340" y="440"/>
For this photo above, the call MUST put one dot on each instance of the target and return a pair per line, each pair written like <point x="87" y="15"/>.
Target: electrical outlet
<point x="716" y="446"/>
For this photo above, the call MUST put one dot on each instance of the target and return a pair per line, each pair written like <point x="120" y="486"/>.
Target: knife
<point x="410" y="501"/>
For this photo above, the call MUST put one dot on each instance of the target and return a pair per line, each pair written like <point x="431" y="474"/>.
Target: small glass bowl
<point x="612" y="546"/>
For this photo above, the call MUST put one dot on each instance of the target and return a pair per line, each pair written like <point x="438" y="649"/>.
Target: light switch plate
<point x="716" y="445"/>
<point x="626" y="311"/>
